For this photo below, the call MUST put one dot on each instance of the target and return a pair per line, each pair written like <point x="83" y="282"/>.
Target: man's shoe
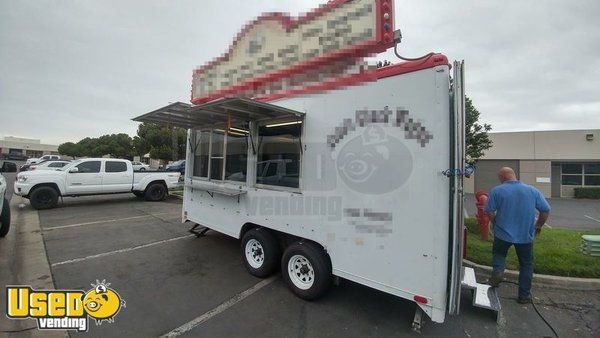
<point x="526" y="300"/>
<point x="495" y="280"/>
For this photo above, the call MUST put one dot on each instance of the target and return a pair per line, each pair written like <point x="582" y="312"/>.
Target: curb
<point x="570" y="283"/>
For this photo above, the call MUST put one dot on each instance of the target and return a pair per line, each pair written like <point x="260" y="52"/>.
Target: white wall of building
<point x="539" y="153"/>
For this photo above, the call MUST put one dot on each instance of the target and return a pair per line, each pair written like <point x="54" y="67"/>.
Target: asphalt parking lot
<point x="170" y="278"/>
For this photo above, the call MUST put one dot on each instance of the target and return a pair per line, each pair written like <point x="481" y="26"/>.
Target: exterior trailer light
<point x="283" y="124"/>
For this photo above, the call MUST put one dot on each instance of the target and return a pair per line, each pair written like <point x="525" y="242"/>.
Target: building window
<point x="279" y="151"/>
<point x="591" y="174"/>
<point x="572" y="180"/>
<point x="221" y="156"/>
<point x="582" y="174"/>
<point x="572" y="168"/>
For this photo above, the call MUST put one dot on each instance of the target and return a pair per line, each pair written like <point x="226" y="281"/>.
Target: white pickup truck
<point x="92" y="176"/>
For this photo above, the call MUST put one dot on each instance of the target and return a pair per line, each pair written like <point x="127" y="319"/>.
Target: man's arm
<point x="542" y="218"/>
<point x="544" y="208"/>
<point x="490" y="207"/>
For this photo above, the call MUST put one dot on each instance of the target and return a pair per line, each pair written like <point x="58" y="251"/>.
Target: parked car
<point x="14" y="157"/>
<point x="139" y="166"/>
<point x="49" y="165"/>
<point x="8" y="167"/>
<point x="42" y="159"/>
<point x="27" y="166"/>
<point x="177" y="166"/>
<point x="4" y="209"/>
<point x="92" y="176"/>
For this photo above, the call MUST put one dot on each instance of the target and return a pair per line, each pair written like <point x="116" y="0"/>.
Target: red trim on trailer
<point x="357" y="79"/>
<point x="380" y="44"/>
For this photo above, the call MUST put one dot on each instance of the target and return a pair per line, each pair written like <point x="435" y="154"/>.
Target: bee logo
<point x="102" y="303"/>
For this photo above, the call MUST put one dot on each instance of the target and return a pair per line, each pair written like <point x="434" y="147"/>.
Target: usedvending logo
<point x="64" y="309"/>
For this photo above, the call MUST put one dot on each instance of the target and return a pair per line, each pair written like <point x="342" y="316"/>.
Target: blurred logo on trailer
<point x="374" y="162"/>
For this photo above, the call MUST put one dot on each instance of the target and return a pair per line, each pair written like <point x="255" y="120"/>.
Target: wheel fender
<point x="49" y="184"/>
<point x="147" y="184"/>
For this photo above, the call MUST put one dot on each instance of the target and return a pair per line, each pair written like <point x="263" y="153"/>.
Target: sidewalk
<point x="23" y="261"/>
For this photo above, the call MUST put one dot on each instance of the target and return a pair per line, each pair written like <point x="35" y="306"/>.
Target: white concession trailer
<point x="332" y="167"/>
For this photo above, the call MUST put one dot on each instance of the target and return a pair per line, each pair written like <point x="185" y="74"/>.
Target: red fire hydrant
<point x="483" y="221"/>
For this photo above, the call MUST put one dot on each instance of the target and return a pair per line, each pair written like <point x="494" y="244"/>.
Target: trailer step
<point x="484" y="296"/>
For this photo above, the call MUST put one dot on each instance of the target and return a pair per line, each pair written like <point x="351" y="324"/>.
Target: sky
<point x="71" y="69"/>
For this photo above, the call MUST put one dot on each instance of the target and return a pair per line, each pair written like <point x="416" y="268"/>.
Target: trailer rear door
<point x="457" y="193"/>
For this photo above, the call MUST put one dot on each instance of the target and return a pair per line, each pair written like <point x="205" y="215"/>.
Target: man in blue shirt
<point x="512" y="209"/>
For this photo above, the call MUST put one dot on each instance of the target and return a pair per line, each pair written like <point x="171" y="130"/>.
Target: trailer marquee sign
<point x="276" y="52"/>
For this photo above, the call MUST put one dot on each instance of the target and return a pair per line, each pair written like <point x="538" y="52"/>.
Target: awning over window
<point x="218" y="112"/>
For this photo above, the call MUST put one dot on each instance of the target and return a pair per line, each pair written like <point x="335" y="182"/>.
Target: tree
<point x="115" y="145"/>
<point x="476" y="134"/>
<point x="70" y="149"/>
<point x="140" y="146"/>
<point x="157" y="139"/>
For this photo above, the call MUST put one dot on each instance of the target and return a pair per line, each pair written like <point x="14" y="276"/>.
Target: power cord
<point x="398" y="40"/>
<point x="424" y="57"/>
<point x="536" y="310"/>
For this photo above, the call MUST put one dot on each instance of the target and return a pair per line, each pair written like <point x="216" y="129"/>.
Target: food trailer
<point x="326" y="166"/>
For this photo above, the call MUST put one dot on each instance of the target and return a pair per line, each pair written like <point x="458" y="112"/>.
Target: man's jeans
<point x="525" y="255"/>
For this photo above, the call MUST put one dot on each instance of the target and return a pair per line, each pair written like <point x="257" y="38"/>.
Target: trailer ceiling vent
<point x="226" y="111"/>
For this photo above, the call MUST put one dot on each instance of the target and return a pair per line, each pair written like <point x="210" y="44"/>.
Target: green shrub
<point x="593" y="193"/>
<point x="471" y="225"/>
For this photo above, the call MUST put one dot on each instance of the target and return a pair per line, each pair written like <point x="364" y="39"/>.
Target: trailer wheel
<point x="4" y="219"/>
<point x="260" y="251"/>
<point x="306" y="270"/>
<point x="43" y="198"/>
<point x="156" y="192"/>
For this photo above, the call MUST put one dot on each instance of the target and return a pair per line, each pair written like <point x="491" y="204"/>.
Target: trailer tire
<point x="307" y="270"/>
<point x="4" y="219"/>
<point x="43" y="198"/>
<point x="155" y="192"/>
<point x="260" y="251"/>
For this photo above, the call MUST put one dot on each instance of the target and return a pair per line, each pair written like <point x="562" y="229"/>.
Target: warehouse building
<point x="29" y="147"/>
<point x="554" y="161"/>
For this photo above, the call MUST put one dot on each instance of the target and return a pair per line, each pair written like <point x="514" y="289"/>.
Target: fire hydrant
<point x="483" y="221"/>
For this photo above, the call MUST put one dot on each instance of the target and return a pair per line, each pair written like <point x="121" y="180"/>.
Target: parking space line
<point x="110" y="253"/>
<point x="101" y="221"/>
<point x="592" y="218"/>
<point x="222" y="307"/>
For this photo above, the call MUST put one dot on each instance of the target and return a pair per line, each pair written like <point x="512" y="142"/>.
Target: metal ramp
<point x="484" y="296"/>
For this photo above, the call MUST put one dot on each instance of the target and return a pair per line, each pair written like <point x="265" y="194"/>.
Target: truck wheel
<point x="306" y="270"/>
<point x="43" y="198"/>
<point x="156" y="192"/>
<point x="139" y="194"/>
<point x="260" y="251"/>
<point x="4" y="219"/>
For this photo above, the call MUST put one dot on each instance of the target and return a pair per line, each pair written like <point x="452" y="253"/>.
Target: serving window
<point x="279" y="154"/>
<point x="221" y="155"/>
